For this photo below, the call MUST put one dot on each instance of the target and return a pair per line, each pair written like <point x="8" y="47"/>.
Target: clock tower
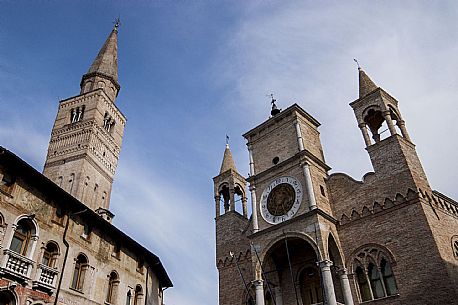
<point x="292" y="235"/>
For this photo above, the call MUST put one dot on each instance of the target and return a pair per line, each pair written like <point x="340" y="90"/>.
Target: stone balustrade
<point x="17" y="265"/>
<point x="46" y="277"/>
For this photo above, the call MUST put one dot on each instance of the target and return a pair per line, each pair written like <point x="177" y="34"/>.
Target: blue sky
<point x="192" y="71"/>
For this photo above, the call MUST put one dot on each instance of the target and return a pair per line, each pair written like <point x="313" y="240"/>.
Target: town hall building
<point x="57" y="242"/>
<point x="320" y="238"/>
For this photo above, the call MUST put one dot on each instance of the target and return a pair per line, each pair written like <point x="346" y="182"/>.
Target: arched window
<point x="21" y="238"/>
<point x="128" y="298"/>
<point x="388" y="278"/>
<point x="113" y="281"/>
<point x="138" y="295"/>
<point x="364" y="289"/>
<point x="50" y="255"/>
<point x="379" y="280"/>
<point x="79" y="273"/>
<point x="7" y="298"/>
<point x="376" y="282"/>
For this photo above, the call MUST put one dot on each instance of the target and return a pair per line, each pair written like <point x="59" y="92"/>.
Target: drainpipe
<point x="67" y="245"/>
<point x="146" y="288"/>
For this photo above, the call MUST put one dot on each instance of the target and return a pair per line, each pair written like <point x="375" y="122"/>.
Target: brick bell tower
<point x="294" y="254"/>
<point x="87" y="134"/>
<point x="232" y="229"/>
<point x="393" y="156"/>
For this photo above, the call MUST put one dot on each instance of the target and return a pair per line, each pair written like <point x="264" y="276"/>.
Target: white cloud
<point x="304" y="53"/>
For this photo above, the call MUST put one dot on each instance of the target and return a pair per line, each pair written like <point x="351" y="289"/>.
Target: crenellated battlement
<point x="229" y="261"/>
<point x="434" y="198"/>
<point x="376" y="207"/>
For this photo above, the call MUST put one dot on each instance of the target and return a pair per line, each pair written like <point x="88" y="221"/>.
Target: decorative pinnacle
<point x="117" y="23"/>
<point x="227" y="140"/>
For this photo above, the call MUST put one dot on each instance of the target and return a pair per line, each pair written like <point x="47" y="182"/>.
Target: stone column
<point x="345" y="283"/>
<point x="365" y="133"/>
<point x="254" y="209"/>
<point x="250" y="152"/>
<point x="231" y="198"/>
<point x="402" y="126"/>
<point x="278" y="296"/>
<point x="217" y="207"/>
<point x="259" y="288"/>
<point x="389" y="122"/>
<point x="299" y="136"/>
<point x="309" y="185"/>
<point x="328" y="285"/>
<point x="244" y="207"/>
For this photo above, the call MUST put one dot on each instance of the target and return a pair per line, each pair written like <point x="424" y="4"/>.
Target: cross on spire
<point x="117" y="23"/>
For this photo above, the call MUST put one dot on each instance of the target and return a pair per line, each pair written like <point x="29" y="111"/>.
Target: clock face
<point x="281" y="199"/>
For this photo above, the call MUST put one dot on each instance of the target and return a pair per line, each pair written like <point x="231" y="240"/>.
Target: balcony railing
<point x="46" y="277"/>
<point x="17" y="265"/>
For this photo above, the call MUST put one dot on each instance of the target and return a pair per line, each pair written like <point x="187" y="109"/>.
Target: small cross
<point x="227" y="140"/>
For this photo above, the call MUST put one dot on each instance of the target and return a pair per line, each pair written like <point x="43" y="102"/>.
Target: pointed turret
<point x="228" y="161"/>
<point x="229" y="184"/>
<point x="366" y="85"/>
<point x="103" y="73"/>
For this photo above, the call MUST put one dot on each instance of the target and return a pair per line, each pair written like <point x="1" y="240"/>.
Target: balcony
<point x="16" y="265"/>
<point x="46" y="278"/>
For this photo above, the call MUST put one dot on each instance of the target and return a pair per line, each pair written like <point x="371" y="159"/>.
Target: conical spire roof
<point x="106" y="62"/>
<point x="366" y="85"/>
<point x="228" y="161"/>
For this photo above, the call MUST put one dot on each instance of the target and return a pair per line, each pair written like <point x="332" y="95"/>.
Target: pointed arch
<point x="372" y="264"/>
<point x="335" y="253"/>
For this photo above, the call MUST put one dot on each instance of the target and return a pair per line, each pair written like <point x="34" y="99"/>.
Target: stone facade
<point x="87" y="134"/>
<point x="388" y="239"/>
<point x="57" y="243"/>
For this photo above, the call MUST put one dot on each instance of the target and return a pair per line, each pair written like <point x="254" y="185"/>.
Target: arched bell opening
<point x="374" y="120"/>
<point x="231" y="199"/>
<point x="383" y="124"/>
<point x="240" y="200"/>
<point x="291" y="273"/>
<point x="224" y="197"/>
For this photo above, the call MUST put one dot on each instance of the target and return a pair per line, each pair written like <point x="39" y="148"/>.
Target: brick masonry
<point x="391" y="213"/>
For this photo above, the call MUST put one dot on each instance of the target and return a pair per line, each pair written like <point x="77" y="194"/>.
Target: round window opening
<point x="275" y="160"/>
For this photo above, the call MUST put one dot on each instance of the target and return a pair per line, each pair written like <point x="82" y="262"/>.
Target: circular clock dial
<point x="281" y="199"/>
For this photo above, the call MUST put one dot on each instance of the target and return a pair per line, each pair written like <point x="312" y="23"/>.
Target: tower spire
<point x="366" y="85"/>
<point x="103" y="73"/>
<point x="228" y="162"/>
